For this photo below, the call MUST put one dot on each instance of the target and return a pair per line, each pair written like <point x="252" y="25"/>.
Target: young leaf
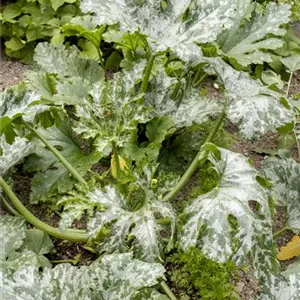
<point x="237" y="186"/>
<point x="291" y="250"/>
<point x="285" y="174"/>
<point x="255" y="108"/>
<point x="146" y="230"/>
<point x="166" y="28"/>
<point x="254" y="32"/>
<point x="12" y="154"/>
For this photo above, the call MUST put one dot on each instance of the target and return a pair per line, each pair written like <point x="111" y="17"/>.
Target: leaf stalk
<point x="167" y="290"/>
<point x="71" y="235"/>
<point x="68" y="166"/>
<point x="195" y="163"/>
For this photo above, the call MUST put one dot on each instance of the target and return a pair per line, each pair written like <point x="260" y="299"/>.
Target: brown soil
<point x="11" y="72"/>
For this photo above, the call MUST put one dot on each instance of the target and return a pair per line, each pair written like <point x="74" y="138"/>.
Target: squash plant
<point x="71" y="115"/>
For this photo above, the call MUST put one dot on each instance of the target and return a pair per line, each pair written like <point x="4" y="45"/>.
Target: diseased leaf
<point x="285" y="174"/>
<point x="146" y="231"/>
<point x="291" y="250"/>
<point x="14" y="105"/>
<point x="237" y="186"/>
<point x="280" y="288"/>
<point x="117" y="277"/>
<point x="13" y="154"/>
<point x="52" y="177"/>
<point x="166" y="28"/>
<point x="12" y="233"/>
<point x="255" y="108"/>
<point x="255" y="31"/>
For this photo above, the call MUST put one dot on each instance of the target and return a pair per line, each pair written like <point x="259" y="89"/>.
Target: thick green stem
<point x="281" y="231"/>
<point x="69" y="235"/>
<point x="145" y="82"/>
<point x="68" y="166"/>
<point x="298" y="144"/>
<point x="289" y="85"/>
<point x="203" y="77"/>
<point x="117" y="160"/>
<point x="9" y="208"/>
<point x="195" y="163"/>
<point x="167" y="290"/>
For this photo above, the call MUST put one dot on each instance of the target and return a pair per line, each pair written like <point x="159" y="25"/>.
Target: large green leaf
<point x="255" y="108"/>
<point x="166" y="27"/>
<point x="236" y="188"/>
<point x="52" y="177"/>
<point x="285" y="174"/>
<point x="255" y="31"/>
<point x="146" y="231"/>
<point x="116" y="277"/>
<point x="292" y="63"/>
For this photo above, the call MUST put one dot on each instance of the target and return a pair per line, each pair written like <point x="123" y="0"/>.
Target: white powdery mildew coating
<point x="285" y="173"/>
<point x="166" y="29"/>
<point x="255" y="108"/>
<point x="281" y="289"/>
<point x="12" y="234"/>
<point x="247" y="43"/>
<point x="238" y="186"/>
<point x="119" y="276"/>
<point x="14" y="153"/>
<point x="146" y="229"/>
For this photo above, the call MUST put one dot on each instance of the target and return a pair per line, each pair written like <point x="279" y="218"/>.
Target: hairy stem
<point x="9" y="208"/>
<point x="195" y="163"/>
<point x="281" y="231"/>
<point x="68" y="166"/>
<point x="298" y="144"/>
<point x="118" y="166"/>
<point x="71" y="235"/>
<point x="145" y="82"/>
<point x="202" y="78"/>
<point x="289" y="85"/>
<point x="167" y="290"/>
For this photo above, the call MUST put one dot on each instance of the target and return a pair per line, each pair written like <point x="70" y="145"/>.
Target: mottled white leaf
<point x="166" y="28"/>
<point x="255" y="31"/>
<point x="116" y="277"/>
<point x="191" y="109"/>
<point x="285" y="174"/>
<point x="146" y="230"/>
<point x="13" y="106"/>
<point x="112" y="112"/>
<point x="14" y="153"/>
<point x="237" y="186"/>
<point x="280" y="288"/>
<point x="255" y="108"/>
<point x="12" y="233"/>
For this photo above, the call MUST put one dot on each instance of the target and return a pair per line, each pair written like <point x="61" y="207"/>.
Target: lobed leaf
<point x="255" y="31"/>
<point x="146" y="231"/>
<point x="285" y="174"/>
<point x="166" y="28"/>
<point x="237" y="186"/>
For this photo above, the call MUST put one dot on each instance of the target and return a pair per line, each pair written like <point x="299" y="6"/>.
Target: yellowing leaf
<point x="113" y="164"/>
<point x="290" y="250"/>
